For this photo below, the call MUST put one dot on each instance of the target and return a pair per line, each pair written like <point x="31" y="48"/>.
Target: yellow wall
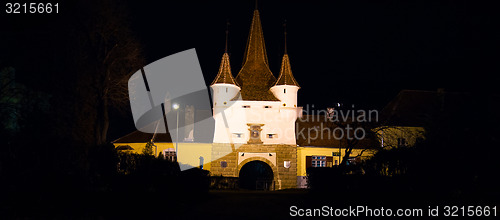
<point x="302" y="152"/>
<point x="390" y="135"/>
<point x="189" y="153"/>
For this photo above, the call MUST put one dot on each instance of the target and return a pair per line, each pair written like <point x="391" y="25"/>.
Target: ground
<point x="216" y="204"/>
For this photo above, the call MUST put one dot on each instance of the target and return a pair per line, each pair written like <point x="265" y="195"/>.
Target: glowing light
<point x="175" y="106"/>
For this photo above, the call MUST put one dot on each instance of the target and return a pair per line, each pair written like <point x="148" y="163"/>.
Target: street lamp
<point x="175" y="106"/>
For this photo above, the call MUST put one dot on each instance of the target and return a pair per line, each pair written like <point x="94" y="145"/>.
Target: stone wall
<point x="284" y="178"/>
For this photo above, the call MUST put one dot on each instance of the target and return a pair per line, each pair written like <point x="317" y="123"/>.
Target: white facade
<point x="287" y="94"/>
<point x="239" y="118"/>
<point x="233" y="119"/>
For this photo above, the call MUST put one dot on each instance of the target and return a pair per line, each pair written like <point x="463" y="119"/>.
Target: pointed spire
<point x="227" y="32"/>
<point x="286" y="76"/>
<point x="284" y="26"/>
<point x="224" y="75"/>
<point x="255" y="77"/>
<point x="255" y="49"/>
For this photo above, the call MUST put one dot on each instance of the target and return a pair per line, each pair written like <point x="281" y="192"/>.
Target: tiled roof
<point x="317" y="131"/>
<point x="141" y="137"/>
<point x="255" y="78"/>
<point x="224" y="75"/>
<point x="286" y="76"/>
<point x="417" y="108"/>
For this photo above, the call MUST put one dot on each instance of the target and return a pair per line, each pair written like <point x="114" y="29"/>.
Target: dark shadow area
<point x="256" y="175"/>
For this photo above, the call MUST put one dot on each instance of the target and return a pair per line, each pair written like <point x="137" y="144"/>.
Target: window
<point x="246" y="106"/>
<point x="402" y="142"/>
<point x="318" y="161"/>
<point x="237" y="135"/>
<point x="284" y="90"/>
<point x="226" y="90"/>
<point x="267" y="106"/>
<point x="352" y="160"/>
<point x="169" y="154"/>
<point x="319" y="157"/>
<point x="272" y="135"/>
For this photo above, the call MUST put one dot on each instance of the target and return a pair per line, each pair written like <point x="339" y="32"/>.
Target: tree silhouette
<point x="105" y="54"/>
<point x="357" y="131"/>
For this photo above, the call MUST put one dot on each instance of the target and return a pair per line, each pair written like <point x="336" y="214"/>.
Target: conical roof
<point x="286" y="76"/>
<point x="255" y="77"/>
<point x="224" y="75"/>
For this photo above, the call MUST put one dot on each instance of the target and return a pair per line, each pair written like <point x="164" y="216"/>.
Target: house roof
<point x="255" y="77"/>
<point x="317" y="131"/>
<point x="416" y="107"/>
<point x="141" y="137"/>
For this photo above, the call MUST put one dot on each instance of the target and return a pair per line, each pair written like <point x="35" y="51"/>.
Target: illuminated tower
<point x="286" y="87"/>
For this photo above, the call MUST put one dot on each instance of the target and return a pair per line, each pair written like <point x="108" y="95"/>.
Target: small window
<point x="402" y="142"/>
<point x="226" y="90"/>
<point x="246" y="106"/>
<point x="284" y="90"/>
<point x="267" y="106"/>
<point x="272" y="135"/>
<point x="238" y="135"/>
<point x="169" y="154"/>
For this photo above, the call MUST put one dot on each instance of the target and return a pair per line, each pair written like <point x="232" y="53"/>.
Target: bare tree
<point x="105" y="56"/>
<point x="358" y="131"/>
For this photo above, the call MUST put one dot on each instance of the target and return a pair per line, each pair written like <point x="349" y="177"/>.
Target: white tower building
<point x="254" y="107"/>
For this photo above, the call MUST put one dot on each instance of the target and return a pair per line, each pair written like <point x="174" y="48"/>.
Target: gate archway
<point x="256" y="175"/>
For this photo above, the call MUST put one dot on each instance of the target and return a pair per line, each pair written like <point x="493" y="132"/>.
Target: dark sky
<point x="344" y="48"/>
<point x="361" y="52"/>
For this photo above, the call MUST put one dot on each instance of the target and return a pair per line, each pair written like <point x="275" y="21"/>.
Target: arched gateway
<point x="256" y="175"/>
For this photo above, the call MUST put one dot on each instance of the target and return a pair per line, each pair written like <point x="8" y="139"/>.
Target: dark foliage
<point x="222" y="182"/>
<point x="456" y="163"/>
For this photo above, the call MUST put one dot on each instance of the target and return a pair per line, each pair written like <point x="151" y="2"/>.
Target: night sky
<point x="361" y="52"/>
